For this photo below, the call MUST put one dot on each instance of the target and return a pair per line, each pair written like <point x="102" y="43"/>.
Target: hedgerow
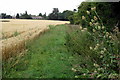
<point x="98" y="48"/>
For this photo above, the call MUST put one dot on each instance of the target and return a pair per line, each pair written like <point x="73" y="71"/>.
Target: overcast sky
<point x="35" y="7"/>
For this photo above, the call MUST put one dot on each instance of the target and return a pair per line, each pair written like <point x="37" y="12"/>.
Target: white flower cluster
<point x="83" y="18"/>
<point x="82" y="29"/>
<point x="93" y="9"/>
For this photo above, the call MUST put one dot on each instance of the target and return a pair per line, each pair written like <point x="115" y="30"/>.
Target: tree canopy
<point x="5" y="16"/>
<point x="17" y="16"/>
<point x="108" y="12"/>
<point x="56" y="15"/>
<point x="25" y="16"/>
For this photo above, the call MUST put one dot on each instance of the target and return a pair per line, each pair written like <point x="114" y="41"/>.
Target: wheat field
<point x="16" y="32"/>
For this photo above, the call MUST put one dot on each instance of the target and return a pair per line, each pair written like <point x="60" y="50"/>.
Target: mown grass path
<point x="47" y="57"/>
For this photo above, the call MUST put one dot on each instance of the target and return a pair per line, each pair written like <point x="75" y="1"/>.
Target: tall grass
<point x="97" y="47"/>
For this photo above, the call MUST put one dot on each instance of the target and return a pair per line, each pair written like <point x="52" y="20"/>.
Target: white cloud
<point x="36" y="6"/>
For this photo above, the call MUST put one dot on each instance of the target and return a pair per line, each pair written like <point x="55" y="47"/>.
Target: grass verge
<point x="46" y="57"/>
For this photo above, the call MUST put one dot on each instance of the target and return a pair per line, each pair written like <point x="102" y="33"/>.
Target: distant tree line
<point x="21" y="16"/>
<point x="18" y="16"/>
<point x="56" y="15"/>
<point x="4" y="16"/>
<point x="24" y="16"/>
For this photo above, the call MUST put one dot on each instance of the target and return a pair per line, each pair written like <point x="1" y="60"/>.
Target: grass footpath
<point x="47" y="57"/>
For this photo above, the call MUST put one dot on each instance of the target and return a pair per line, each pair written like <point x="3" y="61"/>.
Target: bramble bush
<point x="98" y="48"/>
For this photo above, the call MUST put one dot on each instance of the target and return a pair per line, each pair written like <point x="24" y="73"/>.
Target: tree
<point x="25" y="16"/>
<point x="17" y="16"/>
<point x="108" y="12"/>
<point x="67" y="14"/>
<point x="26" y="13"/>
<point x="54" y="14"/>
<point x="55" y="10"/>
<point x="60" y="16"/>
<point x="3" y="15"/>
<point x="8" y="16"/>
<point x="44" y="16"/>
<point x="40" y="14"/>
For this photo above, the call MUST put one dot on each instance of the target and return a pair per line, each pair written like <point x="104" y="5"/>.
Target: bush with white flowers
<point x="94" y="43"/>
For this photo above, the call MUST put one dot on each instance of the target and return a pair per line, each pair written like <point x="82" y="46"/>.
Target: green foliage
<point x="67" y="14"/>
<point x="25" y="16"/>
<point x="95" y="45"/>
<point x="16" y="33"/>
<point x="44" y="16"/>
<point x="5" y="16"/>
<point x="108" y="12"/>
<point x="17" y="16"/>
<point x="56" y="15"/>
<point x="51" y="26"/>
<point x="45" y="57"/>
<point x="40" y="14"/>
